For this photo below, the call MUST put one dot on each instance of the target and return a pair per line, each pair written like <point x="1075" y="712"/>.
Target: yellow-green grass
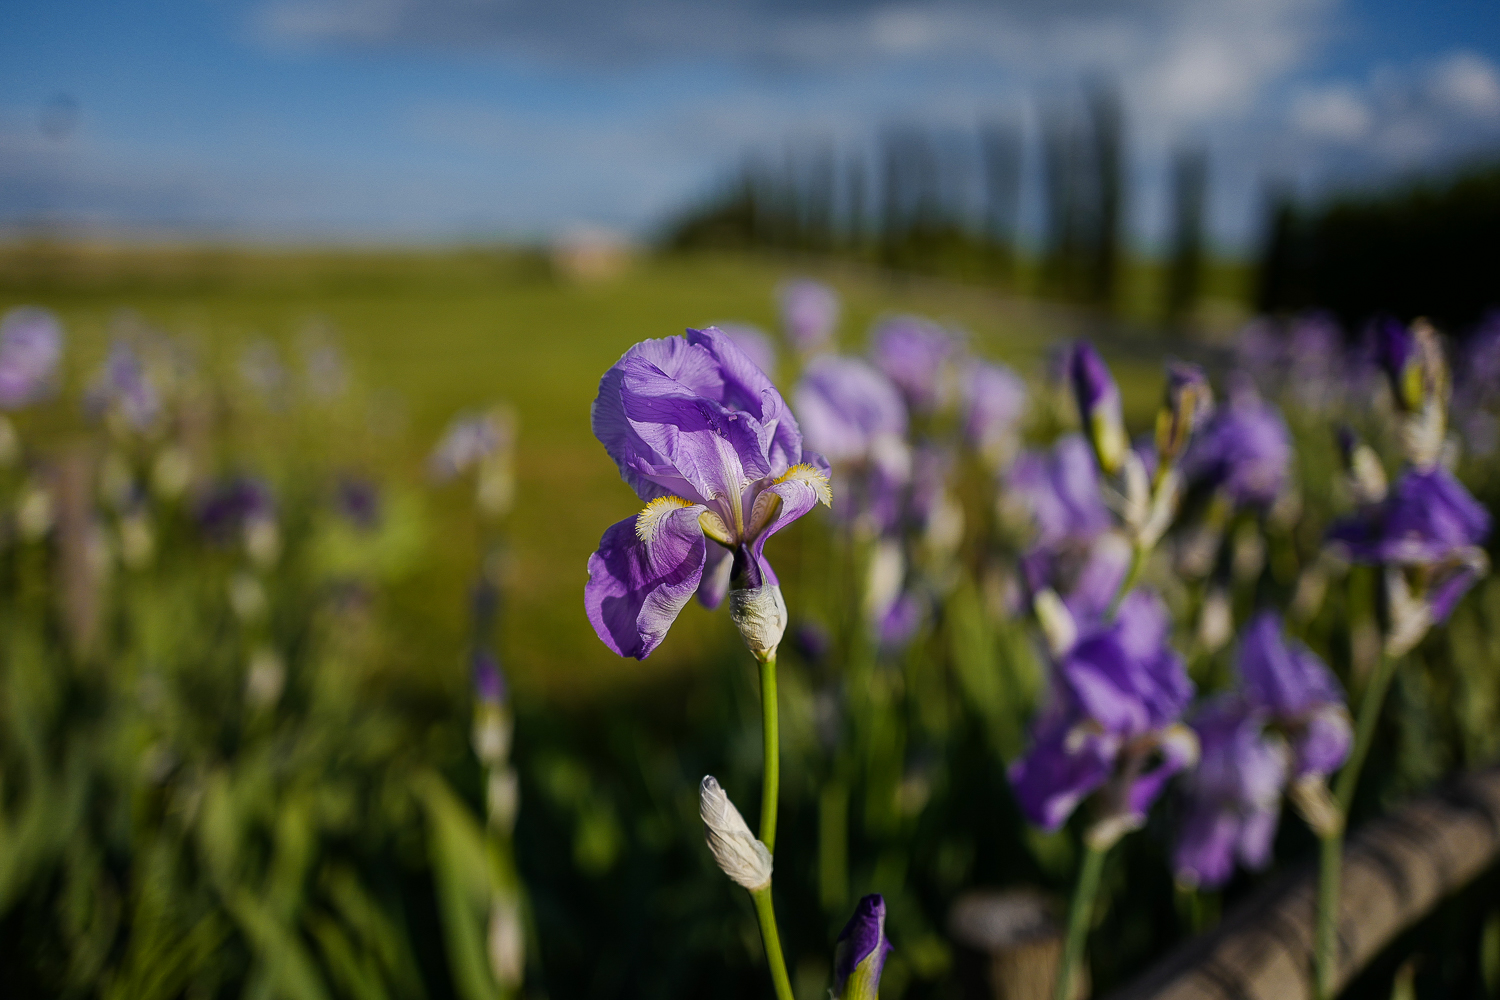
<point x="431" y="333"/>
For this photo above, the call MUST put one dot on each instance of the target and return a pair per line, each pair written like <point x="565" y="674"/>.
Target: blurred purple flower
<point x="754" y="342"/>
<point x="357" y="499"/>
<point x="1233" y="795"/>
<point x="1287" y="681"/>
<point x="899" y="625"/>
<point x="847" y="406"/>
<point x="31" y="342"/>
<point x="1316" y="363"/>
<point x="809" y="313"/>
<point x="812" y="642"/>
<point x="232" y="503"/>
<point x="1245" y="450"/>
<point x="701" y="434"/>
<point x="917" y="355"/>
<point x="860" y="953"/>
<point x="994" y="402"/>
<point x="1427" y="518"/>
<point x="1117" y="694"/>
<point x="122" y="387"/>
<point x="1061" y="492"/>
<point x="469" y="440"/>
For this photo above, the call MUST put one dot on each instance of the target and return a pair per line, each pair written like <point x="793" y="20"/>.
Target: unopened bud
<point x="1098" y="405"/>
<point x="760" y="615"/>
<point x="859" y="956"/>
<point x="743" y="858"/>
<point x="1189" y="399"/>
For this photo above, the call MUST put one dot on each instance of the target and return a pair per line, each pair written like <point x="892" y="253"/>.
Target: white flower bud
<point x="760" y="614"/>
<point x="742" y="857"/>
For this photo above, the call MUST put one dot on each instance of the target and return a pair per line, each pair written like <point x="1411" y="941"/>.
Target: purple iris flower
<point x="31" y="342"/>
<point x="122" y="387"/>
<point x="1061" y="492"/>
<point x="753" y="341"/>
<point x="994" y="403"/>
<point x="1429" y="520"/>
<point x="1245" y="450"/>
<point x="809" y="313"/>
<point x="847" y="407"/>
<point x="1287" y="681"/>
<point x="899" y="625"/>
<point x="1233" y="795"/>
<point x="917" y="355"/>
<point x="860" y="953"/>
<point x="1398" y="354"/>
<point x="701" y="434"/>
<point x="1117" y="694"/>
<point x="232" y="504"/>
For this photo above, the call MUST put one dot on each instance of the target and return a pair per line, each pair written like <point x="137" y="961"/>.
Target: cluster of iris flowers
<point x="702" y="435"/>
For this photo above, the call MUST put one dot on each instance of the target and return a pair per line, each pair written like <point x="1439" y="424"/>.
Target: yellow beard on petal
<point x="649" y="519"/>
<point x="812" y="477"/>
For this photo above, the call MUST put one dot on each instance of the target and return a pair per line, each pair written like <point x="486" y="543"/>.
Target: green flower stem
<point x="772" y="940"/>
<point x="1080" y="915"/>
<point x="1326" y="943"/>
<point x="771" y="782"/>
<point x="1138" y="554"/>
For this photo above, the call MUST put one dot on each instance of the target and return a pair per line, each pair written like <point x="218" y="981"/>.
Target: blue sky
<point x="434" y="120"/>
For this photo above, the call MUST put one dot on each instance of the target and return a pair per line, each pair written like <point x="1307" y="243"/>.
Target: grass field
<point x="429" y="334"/>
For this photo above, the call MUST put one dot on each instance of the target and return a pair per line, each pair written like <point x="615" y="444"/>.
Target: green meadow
<point x="429" y="334"/>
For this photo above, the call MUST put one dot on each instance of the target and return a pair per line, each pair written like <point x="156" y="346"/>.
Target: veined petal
<point x="638" y="585"/>
<point x="795" y="493"/>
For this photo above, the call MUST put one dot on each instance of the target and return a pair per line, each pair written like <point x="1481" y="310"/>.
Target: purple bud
<point x="31" y="342"/>
<point x="860" y="953"/>
<point x="1098" y="401"/>
<point x="1396" y="350"/>
<point x="1189" y="400"/>
<point x="489" y="680"/>
<point x="358" y="500"/>
<point x="809" y="313"/>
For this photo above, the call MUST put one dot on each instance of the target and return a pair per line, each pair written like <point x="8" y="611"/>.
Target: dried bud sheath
<point x="743" y="858"/>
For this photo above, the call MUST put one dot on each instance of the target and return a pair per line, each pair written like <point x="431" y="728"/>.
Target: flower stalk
<point x="1080" y="915"/>
<point x="1331" y="859"/>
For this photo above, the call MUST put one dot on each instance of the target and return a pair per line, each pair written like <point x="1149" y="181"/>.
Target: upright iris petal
<point x="809" y="314"/>
<point x="752" y="340"/>
<point x="698" y="431"/>
<point x="31" y="343"/>
<point x="855" y="416"/>
<point x="860" y="953"/>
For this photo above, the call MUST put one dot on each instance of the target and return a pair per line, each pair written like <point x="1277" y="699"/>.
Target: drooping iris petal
<point x="1059" y="772"/>
<point x="717" y="565"/>
<point x="1287" y="681"/>
<point x="1245" y="449"/>
<point x="1233" y="795"/>
<point x="809" y="313"/>
<point x="860" y="952"/>
<point x="917" y="355"/>
<point x="638" y="585"/>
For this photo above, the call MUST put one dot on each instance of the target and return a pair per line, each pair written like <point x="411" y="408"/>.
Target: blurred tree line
<point x="948" y="202"/>
<point x="1426" y="248"/>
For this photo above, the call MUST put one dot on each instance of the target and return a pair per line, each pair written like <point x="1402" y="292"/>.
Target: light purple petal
<point x="1281" y="675"/>
<point x="809" y="313"/>
<point x="753" y="341"/>
<point x="1323" y="743"/>
<point x="845" y="404"/>
<point x="715" y="584"/>
<point x="636" y="588"/>
<point x="1054" y="776"/>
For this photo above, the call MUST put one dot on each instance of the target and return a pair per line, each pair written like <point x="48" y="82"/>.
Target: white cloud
<point x="1335" y="113"/>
